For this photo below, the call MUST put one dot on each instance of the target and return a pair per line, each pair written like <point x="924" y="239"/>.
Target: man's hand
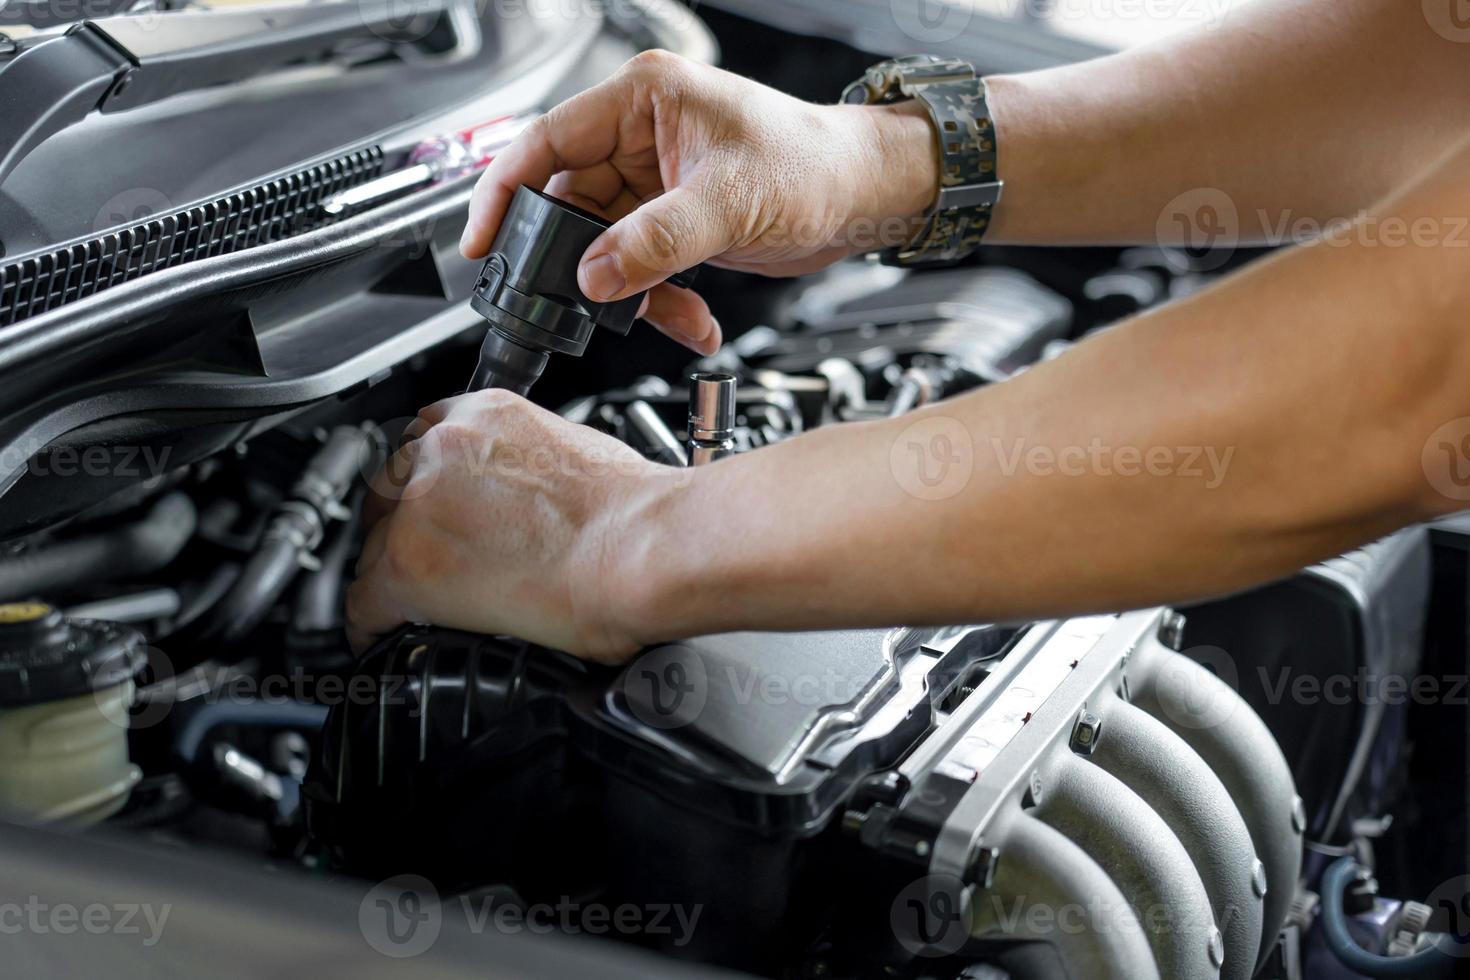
<point x="694" y="163"/>
<point x="500" y="518"/>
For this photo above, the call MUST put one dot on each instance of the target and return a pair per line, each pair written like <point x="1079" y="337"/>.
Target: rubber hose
<point x="127" y="551"/>
<point x="1425" y="963"/>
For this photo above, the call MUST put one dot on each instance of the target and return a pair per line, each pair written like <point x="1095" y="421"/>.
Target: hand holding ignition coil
<point x="528" y="292"/>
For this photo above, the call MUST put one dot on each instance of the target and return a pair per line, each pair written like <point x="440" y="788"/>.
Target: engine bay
<point x="201" y="385"/>
<point x="906" y="802"/>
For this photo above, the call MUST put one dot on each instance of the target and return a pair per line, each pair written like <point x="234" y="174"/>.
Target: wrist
<point x="890" y="165"/>
<point x="906" y="161"/>
<point x="646" y="557"/>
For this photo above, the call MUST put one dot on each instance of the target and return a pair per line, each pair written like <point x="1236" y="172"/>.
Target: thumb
<point x="667" y="234"/>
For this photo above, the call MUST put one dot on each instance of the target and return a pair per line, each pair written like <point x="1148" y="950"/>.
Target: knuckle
<point x="664" y="235"/>
<point x="657" y="61"/>
<point x="494" y="399"/>
<point x="542" y="126"/>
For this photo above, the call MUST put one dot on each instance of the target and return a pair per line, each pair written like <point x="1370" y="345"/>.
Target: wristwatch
<point x="968" y="186"/>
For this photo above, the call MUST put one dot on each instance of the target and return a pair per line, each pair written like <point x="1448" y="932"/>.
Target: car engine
<point x="1154" y="793"/>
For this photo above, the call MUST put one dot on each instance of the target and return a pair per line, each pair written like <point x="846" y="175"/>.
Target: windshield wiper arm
<point x="119" y="63"/>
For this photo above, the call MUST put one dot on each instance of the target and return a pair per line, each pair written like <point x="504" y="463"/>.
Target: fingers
<point x="680" y="314"/>
<point x="601" y="189"/>
<point x="373" y="609"/>
<point x="683" y="315"/>
<point x="666" y="234"/>
<point x="578" y="133"/>
<point x="389" y="484"/>
<point x="433" y="414"/>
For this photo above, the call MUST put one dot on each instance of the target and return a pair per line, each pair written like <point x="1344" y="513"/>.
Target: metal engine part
<point x="1116" y="787"/>
<point x="992" y="322"/>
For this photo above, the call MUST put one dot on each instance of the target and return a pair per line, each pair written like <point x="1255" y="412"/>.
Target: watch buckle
<point x="969" y="195"/>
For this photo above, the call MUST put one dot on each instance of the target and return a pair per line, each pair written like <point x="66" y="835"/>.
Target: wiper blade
<point x="119" y="63"/>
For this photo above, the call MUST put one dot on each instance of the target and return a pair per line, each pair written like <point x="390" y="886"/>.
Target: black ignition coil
<point x="528" y="292"/>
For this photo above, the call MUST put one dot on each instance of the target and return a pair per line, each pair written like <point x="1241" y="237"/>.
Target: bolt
<point x="1217" y="948"/>
<point x="122" y="84"/>
<point x="1298" y="815"/>
<point x="1258" y="879"/>
<point x="1171" y="630"/>
<point x="1361" y="894"/>
<point x="980" y="869"/>
<point x="921" y="848"/>
<point x="1033" y="791"/>
<point x="1086" y="732"/>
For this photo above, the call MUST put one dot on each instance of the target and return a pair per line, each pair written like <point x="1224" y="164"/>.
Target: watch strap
<point x="968" y="188"/>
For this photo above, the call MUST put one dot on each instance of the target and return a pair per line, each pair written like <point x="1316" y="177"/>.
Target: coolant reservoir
<point x="65" y="688"/>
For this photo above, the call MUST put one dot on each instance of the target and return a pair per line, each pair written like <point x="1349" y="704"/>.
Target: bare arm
<point x="1281" y="417"/>
<point x="1288" y="409"/>
<point x="1293" y="108"/>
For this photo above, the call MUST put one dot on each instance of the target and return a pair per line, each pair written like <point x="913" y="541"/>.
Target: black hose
<point x="319" y="601"/>
<point x="294" y="533"/>
<point x="203" y="598"/>
<point x="126" y="551"/>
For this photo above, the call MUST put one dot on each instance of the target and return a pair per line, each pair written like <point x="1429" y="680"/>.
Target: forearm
<point x="1272" y="421"/>
<point x="1307" y="110"/>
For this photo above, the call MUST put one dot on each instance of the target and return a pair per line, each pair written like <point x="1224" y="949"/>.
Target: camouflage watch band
<point x="968" y="185"/>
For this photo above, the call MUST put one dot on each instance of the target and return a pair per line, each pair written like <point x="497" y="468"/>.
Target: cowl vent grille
<point x="265" y="213"/>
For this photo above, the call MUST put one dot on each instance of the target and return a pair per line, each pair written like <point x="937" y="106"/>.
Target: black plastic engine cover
<point x="706" y="772"/>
